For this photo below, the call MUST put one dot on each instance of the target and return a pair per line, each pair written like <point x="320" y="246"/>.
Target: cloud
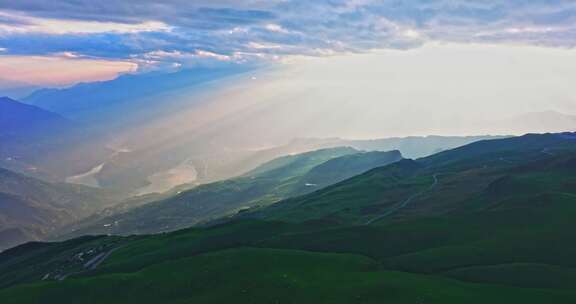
<point x="252" y="30"/>
<point x="23" y="24"/>
<point x="137" y="11"/>
<point x="57" y="69"/>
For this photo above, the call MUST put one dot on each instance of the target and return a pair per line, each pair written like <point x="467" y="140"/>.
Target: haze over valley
<point x="287" y="151"/>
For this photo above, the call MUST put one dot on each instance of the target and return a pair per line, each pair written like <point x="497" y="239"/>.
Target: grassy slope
<point x="247" y="275"/>
<point x="464" y="175"/>
<point x="237" y="263"/>
<point x="506" y="240"/>
<point x="276" y="180"/>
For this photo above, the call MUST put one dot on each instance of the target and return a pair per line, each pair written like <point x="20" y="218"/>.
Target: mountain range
<point x="199" y="125"/>
<point x="200" y="162"/>
<point x="487" y="222"/>
<point x="32" y="209"/>
<point x="103" y="101"/>
<point x="44" y="144"/>
<point x="281" y="178"/>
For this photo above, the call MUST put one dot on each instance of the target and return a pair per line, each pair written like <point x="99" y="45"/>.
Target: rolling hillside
<point x="31" y="209"/>
<point x="435" y="185"/>
<point x="278" y="179"/>
<point x="204" y="161"/>
<point x="488" y="222"/>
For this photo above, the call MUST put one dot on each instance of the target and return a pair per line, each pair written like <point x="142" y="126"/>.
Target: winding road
<point x="91" y="264"/>
<point x="97" y="260"/>
<point x="405" y="202"/>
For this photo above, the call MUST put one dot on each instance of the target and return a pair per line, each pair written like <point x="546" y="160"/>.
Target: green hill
<point x="273" y="181"/>
<point x="491" y="222"/>
<point x="440" y="184"/>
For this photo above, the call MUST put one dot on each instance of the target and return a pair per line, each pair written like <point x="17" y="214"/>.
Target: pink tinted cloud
<point x="59" y="70"/>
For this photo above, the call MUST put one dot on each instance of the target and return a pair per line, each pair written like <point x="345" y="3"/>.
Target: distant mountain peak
<point x="18" y="116"/>
<point x="6" y="99"/>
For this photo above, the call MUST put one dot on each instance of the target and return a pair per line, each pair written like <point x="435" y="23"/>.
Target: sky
<point x="358" y="69"/>
<point x="457" y="54"/>
<point x="173" y="32"/>
<point x="454" y="82"/>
